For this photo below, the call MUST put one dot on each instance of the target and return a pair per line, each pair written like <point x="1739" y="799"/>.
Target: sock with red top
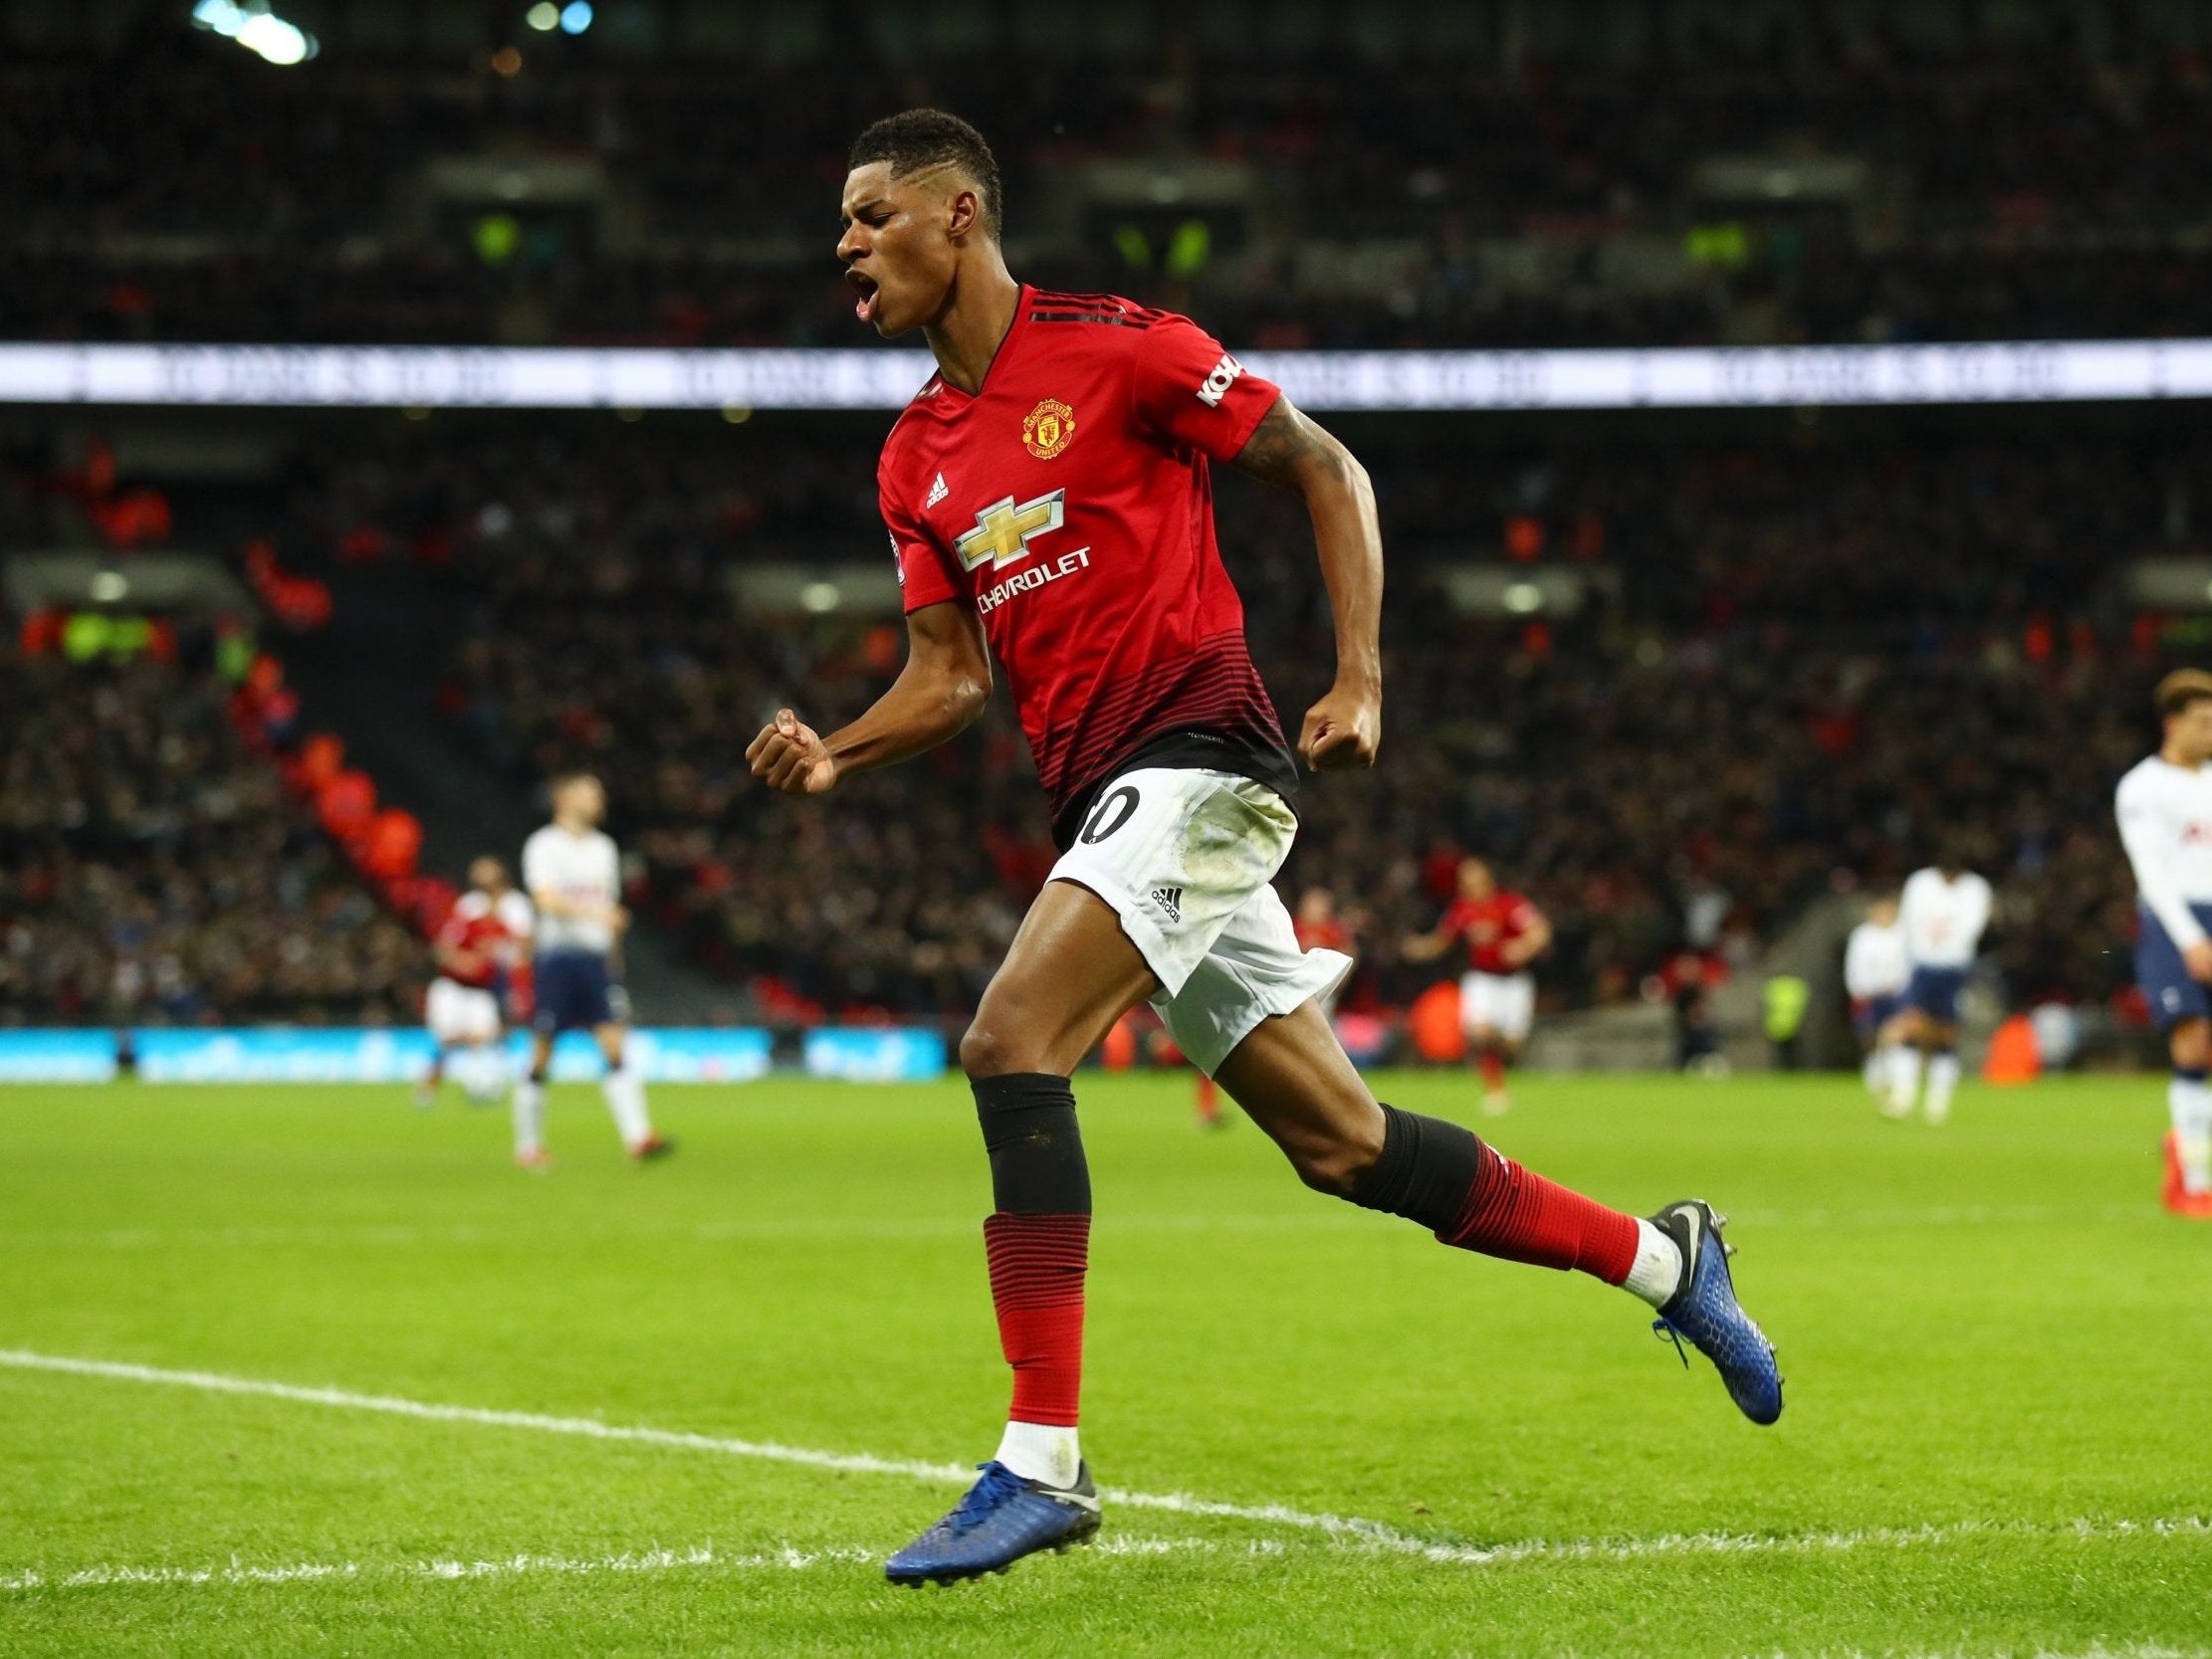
<point x="1038" y="1246"/>
<point x="1494" y="1069"/>
<point x="1513" y="1212"/>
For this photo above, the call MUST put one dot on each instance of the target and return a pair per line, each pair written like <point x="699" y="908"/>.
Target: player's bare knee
<point x="1333" y="1160"/>
<point x="988" y="1049"/>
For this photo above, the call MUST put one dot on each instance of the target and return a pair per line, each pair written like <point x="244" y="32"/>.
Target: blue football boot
<point x="1706" y="1310"/>
<point x="1004" y="1518"/>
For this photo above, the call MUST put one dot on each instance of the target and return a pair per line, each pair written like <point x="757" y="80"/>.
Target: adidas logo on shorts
<point x="1168" y="898"/>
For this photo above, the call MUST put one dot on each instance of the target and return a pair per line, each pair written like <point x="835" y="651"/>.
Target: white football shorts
<point x="1500" y="1002"/>
<point x="1186" y="859"/>
<point x="458" y="1013"/>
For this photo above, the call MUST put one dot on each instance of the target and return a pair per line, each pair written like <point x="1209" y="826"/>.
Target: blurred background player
<point x="1504" y="932"/>
<point x="1319" y="927"/>
<point x="478" y="948"/>
<point x="1875" y="968"/>
<point x="1943" y="912"/>
<point x="2164" y="806"/>
<point x="575" y="878"/>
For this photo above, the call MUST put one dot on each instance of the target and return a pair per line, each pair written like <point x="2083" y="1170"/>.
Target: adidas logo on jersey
<point x="937" y="492"/>
<point x="1168" y="898"/>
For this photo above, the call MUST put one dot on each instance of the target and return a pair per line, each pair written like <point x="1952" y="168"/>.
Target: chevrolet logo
<point x="1002" y="531"/>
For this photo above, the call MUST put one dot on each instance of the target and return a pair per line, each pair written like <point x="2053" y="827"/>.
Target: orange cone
<point x="1433" y="1024"/>
<point x="2013" y="1058"/>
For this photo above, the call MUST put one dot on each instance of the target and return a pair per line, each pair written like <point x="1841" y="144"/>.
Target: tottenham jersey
<point x="2165" y="823"/>
<point x="583" y="869"/>
<point x="1942" y="918"/>
<point x="1876" y="962"/>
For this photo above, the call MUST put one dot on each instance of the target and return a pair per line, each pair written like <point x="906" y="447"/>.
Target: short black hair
<point x="916" y="138"/>
<point x="2181" y="687"/>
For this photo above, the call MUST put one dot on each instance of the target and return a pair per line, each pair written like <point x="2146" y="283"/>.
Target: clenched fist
<point x="1342" y="731"/>
<point x="791" y="757"/>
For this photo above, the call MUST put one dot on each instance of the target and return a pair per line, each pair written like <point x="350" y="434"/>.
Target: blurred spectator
<point x="153" y="870"/>
<point x="1822" y="656"/>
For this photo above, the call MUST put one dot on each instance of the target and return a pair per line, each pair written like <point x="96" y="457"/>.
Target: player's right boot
<point x="2176" y="1196"/>
<point x="653" y="1146"/>
<point x="1704" y="1308"/>
<point x="1004" y="1518"/>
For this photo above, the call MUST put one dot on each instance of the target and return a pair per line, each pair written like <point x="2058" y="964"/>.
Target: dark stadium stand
<point x="1383" y="175"/>
<point x="1809" y="652"/>
<point x="156" y="868"/>
<point x="1780" y="613"/>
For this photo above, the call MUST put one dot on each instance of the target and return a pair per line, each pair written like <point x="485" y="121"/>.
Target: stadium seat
<point x="346" y="803"/>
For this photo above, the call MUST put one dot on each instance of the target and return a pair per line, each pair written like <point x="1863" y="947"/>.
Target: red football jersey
<point x="1488" y="926"/>
<point x="1068" y="502"/>
<point x="480" y="932"/>
<point x="1331" y="934"/>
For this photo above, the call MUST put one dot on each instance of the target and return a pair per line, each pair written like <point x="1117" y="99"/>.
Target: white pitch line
<point x="787" y="1558"/>
<point x="1348" y="1530"/>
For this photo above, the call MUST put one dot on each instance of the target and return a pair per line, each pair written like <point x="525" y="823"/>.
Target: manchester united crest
<point x="1049" y="429"/>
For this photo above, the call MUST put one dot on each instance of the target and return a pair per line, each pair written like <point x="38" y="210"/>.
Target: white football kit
<point x="2165" y="823"/>
<point x="585" y="870"/>
<point x="1943" y="919"/>
<point x="1876" y="962"/>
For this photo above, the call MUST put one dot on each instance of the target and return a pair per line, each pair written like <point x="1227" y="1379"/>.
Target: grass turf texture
<point x="1988" y="1330"/>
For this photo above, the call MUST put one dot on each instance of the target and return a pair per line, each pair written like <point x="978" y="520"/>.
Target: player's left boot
<point x="653" y="1146"/>
<point x="1004" y="1518"/>
<point x="1704" y="1308"/>
<point x="2176" y="1196"/>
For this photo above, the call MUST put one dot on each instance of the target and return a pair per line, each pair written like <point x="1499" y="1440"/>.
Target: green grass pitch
<point x="1999" y="1351"/>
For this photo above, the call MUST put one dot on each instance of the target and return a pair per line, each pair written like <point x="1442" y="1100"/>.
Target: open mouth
<point x="870" y="295"/>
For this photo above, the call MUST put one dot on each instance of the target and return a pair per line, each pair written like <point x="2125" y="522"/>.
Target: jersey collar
<point x="946" y="392"/>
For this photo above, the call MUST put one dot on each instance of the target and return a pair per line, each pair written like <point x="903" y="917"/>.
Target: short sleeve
<point x="1196" y="394"/>
<point x="925" y="575"/>
<point x="1456" y="918"/>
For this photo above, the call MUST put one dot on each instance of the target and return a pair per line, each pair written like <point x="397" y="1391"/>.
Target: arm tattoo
<point x="1284" y="444"/>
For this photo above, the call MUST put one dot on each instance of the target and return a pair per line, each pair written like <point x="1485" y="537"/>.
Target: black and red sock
<point x="1473" y="1198"/>
<point x="1038" y="1241"/>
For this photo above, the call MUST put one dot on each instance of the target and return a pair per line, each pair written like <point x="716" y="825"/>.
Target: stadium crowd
<point x="153" y="868"/>
<point x="1831" y="176"/>
<point x="1815" y="662"/>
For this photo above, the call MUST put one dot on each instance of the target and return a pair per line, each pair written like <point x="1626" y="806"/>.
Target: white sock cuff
<point x="1656" y="1271"/>
<point x="1046" y="1452"/>
<point x="2189" y="1103"/>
